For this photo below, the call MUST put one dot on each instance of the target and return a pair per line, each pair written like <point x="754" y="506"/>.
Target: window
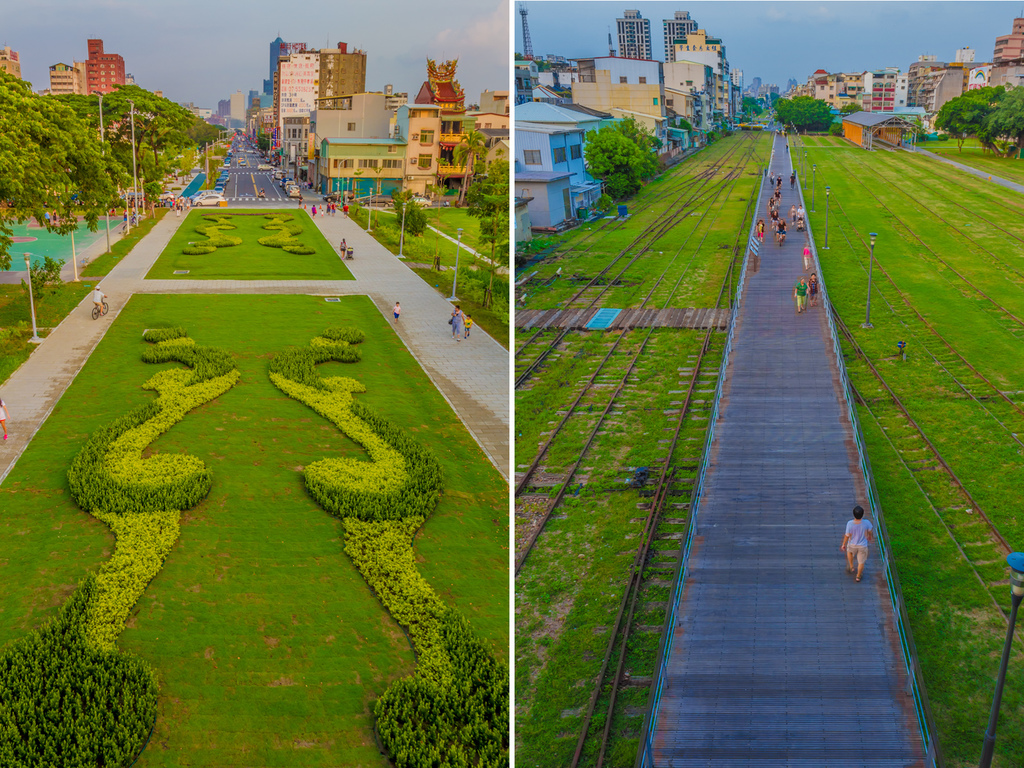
<point x="351" y="126"/>
<point x="425" y="162"/>
<point x="426" y="137"/>
<point x="655" y="101"/>
<point x="575" y="151"/>
<point x="622" y="79"/>
<point x="643" y="81"/>
<point x="559" y="154"/>
<point x="689" y="82"/>
<point x="531" y="156"/>
<point x="415" y="137"/>
<point x="391" y="163"/>
<point x="368" y="163"/>
<point x="392" y="149"/>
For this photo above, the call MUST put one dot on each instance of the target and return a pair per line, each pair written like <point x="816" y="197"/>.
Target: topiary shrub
<point x="198" y="249"/>
<point x="301" y="250"/>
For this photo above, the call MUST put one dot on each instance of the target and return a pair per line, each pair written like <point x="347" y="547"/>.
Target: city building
<point x="393" y="100"/>
<point x="236" y="109"/>
<point x="526" y="75"/>
<point x="342" y="71"/>
<point x="443" y="90"/>
<point x="675" y="31"/>
<point x="419" y="125"/>
<point x="66" y="79"/>
<point x="279" y="48"/>
<point x="494" y="101"/>
<point x="524" y="227"/>
<point x="634" y="36"/>
<point x="884" y="90"/>
<point x="550" y="168"/>
<point x="361" y="167"/>
<point x="297" y="85"/>
<point x="295" y="143"/>
<point x="837" y="89"/>
<point x="624" y="88"/>
<point x="688" y="89"/>
<point x="964" y="56"/>
<point x="10" y="62"/>
<point x="1010" y="48"/>
<point x="701" y="48"/>
<point x="102" y="70"/>
<point x="866" y="129"/>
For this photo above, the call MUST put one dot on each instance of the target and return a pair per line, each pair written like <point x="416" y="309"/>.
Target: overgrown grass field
<point x="249" y="260"/>
<point x="268" y="645"/>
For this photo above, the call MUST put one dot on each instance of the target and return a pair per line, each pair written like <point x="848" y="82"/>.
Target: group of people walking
<point x="806" y="289"/>
<point x="326" y="209"/>
<point x="460" y="323"/>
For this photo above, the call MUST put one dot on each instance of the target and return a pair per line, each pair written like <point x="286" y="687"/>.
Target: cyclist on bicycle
<point x="97" y="299"/>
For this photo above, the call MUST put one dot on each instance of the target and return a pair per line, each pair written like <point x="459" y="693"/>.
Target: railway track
<point x="704" y="195"/>
<point x="666" y="485"/>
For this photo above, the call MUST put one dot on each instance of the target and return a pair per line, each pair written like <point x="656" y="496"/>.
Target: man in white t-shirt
<point x="859" y="534"/>
<point x="97" y="298"/>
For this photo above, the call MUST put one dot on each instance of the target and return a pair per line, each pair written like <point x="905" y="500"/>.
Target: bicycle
<point x="96" y="310"/>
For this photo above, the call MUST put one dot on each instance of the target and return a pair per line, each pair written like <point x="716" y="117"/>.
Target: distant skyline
<point x="780" y="40"/>
<point x="204" y="51"/>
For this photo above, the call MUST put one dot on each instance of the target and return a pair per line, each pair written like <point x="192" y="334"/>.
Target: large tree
<point x="622" y="155"/>
<point x="488" y="201"/>
<point x="967" y="115"/>
<point x="472" y="146"/>
<point x="1007" y="118"/>
<point x="805" y="113"/>
<point x="50" y="161"/>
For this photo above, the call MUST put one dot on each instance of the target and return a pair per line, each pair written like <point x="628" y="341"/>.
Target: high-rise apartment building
<point x="9" y="62"/>
<point x="884" y="90"/>
<point x="102" y="70"/>
<point x="278" y="49"/>
<point x="1010" y="47"/>
<point x="298" y="85"/>
<point x="675" y="30"/>
<point x="68" y="79"/>
<point x="342" y="71"/>
<point x="634" y="36"/>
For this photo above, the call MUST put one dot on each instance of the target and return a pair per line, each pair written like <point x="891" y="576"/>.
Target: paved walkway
<point x="980" y="174"/>
<point x="779" y="657"/>
<point x="473" y="375"/>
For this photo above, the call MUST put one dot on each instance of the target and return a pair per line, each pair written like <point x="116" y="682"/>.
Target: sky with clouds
<point x="202" y="51"/>
<point x="779" y="40"/>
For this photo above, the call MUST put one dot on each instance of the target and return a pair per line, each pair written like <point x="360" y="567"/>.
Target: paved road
<point x="473" y="375"/>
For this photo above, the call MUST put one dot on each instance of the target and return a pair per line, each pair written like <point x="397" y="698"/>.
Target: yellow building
<point x="624" y="88"/>
<point x="67" y="79"/>
<point x="10" y="62"/>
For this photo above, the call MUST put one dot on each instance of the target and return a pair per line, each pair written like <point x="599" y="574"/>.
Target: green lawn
<point x="932" y="222"/>
<point x="249" y="260"/>
<point x="1005" y="167"/>
<point x="268" y="645"/>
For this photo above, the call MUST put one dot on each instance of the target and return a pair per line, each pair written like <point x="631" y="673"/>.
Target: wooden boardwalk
<point x="779" y="657"/>
<point x="692" y="317"/>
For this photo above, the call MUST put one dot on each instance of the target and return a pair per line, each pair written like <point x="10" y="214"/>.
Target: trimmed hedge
<point x="66" y="703"/>
<point x="287" y="228"/>
<point x="198" y="249"/>
<point x="212" y="227"/>
<point x="140" y="498"/>
<point x="454" y="710"/>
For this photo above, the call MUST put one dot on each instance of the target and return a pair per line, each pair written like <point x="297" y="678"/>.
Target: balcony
<point x="445" y="169"/>
<point x="452" y="138"/>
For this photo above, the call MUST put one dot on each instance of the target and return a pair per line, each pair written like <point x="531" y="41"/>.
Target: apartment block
<point x="68" y="79"/>
<point x="675" y="31"/>
<point x="102" y="70"/>
<point x="342" y="71"/>
<point x="10" y="62"/>
<point x="634" y="36"/>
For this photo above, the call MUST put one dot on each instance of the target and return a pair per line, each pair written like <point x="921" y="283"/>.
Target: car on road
<point x="264" y="167"/>
<point x="210" y="198"/>
<point x="294" y="192"/>
<point x="242" y="162"/>
<point x="278" y="174"/>
<point x="420" y="200"/>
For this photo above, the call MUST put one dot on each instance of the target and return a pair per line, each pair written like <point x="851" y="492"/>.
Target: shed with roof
<point x="866" y="129"/>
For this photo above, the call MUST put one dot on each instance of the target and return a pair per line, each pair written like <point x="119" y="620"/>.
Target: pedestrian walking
<point x="800" y="294"/>
<point x="859" y="535"/>
<point x="807" y="258"/>
<point x="812" y="289"/>
<point x="792" y="180"/>
<point x="344" y="247"/>
<point x="314" y="210"/>
<point x="458" y="323"/>
<point x="792" y="215"/>
<point x="344" y="210"/>
<point x="397" y="310"/>
<point x="469" y="324"/>
<point x="4" y="415"/>
<point x="760" y="230"/>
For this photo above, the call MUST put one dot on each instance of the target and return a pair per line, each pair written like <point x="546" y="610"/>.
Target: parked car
<point x="294" y="192"/>
<point x="214" y="198"/>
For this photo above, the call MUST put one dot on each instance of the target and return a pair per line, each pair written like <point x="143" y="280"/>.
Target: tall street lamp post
<point x="1016" y="562"/>
<point x="814" y="171"/>
<point x="135" y="175"/>
<point x="455" y="280"/>
<point x="31" y="301"/>
<point x="826" y="217"/>
<point x="871" y="261"/>
<point x="103" y="149"/>
<point x="401" y="237"/>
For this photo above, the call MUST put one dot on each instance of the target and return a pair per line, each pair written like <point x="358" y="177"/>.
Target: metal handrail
<point x="645" y="758"/>
<point x="926" y="722"/>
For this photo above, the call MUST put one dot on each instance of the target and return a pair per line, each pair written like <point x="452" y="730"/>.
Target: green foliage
<point x="752" y="106"/>
<point x="836" y="129"/>
<point x="454" y="710"/>
<point x="488" y="201"/>
<point x="622" y="155"/>
<point x="1007" y="118"/>
<point x="603" y="203"/>
<point x="51" y="160"/>
<point x="198" y="249"/>
<point x="286" y="229"/>
<point x="46" y="276"/>
<point x="64" y="702"/>
<point x="849" y="109"/>
<point x="805" y="113"/>
<point x="415" y="216"/>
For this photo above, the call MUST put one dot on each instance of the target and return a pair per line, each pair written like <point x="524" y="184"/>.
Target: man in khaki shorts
<point x="859" y="534"/>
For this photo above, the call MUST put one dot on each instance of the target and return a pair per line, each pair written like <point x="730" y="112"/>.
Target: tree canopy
<point x="622" y="155"/>
<point x="52" y="161"/>
<point x="752" y="106"/>
<point x="967" y="115"/>
<point x="805" y="113"/>
<point x="849" y="109"/>
<point x="488" y="201"/>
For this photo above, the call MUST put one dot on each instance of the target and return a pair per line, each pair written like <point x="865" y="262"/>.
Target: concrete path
<point x="779" y="657"/>
<point x="974" y="171"/>
<point x="473" y="375"/>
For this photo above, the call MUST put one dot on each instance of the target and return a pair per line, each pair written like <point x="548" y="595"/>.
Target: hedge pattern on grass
<point x="454" y="710"/>
<point x="287" y="229"/>
<point x="212" y="227"/>
<point x="64" y="703"/>
<point x="141" y="498"/>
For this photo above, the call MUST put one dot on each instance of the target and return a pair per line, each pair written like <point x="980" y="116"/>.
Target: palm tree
<point x="435" y="191"/>
<point x="474" y="145"/>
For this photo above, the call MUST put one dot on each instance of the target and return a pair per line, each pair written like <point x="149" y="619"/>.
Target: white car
<point x="264" y="167"/>
<point x="210" y="198"/>
<point x="294" y="192"/>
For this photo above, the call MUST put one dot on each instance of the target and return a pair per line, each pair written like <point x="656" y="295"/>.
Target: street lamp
<point x="803" y="166"/>
<point x="103" y="149"/>
<point x="135" y="177"/>
<point x="826" y="217"/>
<point x="31" y="301"/>
<point x="1016" y="562"/>
<point x="814" y="169"/>
<point x="455" y="280"/>
<point x="871" y="261"/>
